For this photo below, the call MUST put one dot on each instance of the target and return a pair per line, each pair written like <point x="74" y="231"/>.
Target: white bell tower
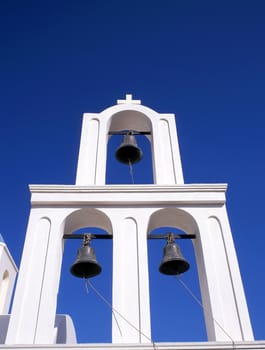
<point x="129" y="114"/>
<point x="128" y="213"/>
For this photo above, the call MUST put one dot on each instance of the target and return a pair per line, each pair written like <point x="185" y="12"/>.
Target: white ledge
<point x="253" y="345"/>
<point x="133" y="195"/>
<point x="221" y="187"/>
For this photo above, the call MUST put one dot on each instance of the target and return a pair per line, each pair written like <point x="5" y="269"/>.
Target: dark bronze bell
<point x="129" y="152"/>
<point x="86" y="265"/>
<point x="173" y="262"/>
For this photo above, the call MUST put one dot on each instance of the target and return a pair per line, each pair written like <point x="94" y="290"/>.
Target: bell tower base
<point x="195" y="209"/>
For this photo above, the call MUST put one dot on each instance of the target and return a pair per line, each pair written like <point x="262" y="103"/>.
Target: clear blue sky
<point x="202" y="60"/>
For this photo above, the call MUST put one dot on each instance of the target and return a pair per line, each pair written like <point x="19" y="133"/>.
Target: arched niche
<point x="82" y="299"/>
<point x="170" y="300"/>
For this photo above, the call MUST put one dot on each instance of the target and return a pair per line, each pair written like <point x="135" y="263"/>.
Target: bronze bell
<point x="129" y="152"/>
<point x="173" y="262"/>
<point x="86" y="265"/>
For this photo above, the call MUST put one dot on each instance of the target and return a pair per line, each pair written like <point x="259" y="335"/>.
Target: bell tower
<point x="129" y="114"/>
<point x="128" y="213"/>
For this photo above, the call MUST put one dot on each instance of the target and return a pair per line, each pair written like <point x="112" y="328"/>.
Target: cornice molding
<point x="127" y="195"/>
<point x="221" y="187"/>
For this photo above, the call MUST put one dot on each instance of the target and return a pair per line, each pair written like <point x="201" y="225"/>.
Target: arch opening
<point x="137" y="173"/>
<point x="169" y="298"/>
<point x="118" y="173"/>
<point x="92" y="317"/>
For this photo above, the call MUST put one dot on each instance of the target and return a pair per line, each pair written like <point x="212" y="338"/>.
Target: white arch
<point x="173" y="217"/>
<point x="87" y="217"/>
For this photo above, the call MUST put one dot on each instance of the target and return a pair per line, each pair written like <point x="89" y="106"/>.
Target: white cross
<point x="128" y="99"/>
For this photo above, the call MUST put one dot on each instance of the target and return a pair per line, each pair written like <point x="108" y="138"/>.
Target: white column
<point x="34" y="307"/>
<point x="167" y="167"/>
<point x="238" y="289"/>
<point x="91" y="167"/>
<point x="51" y="278"/>
<point x="130" y="281"/>
<point x="101" y="164"/>
<point x="224" y="303"/>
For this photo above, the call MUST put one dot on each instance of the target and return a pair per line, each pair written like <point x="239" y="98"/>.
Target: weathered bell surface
<point x="86" y="265"/>
<point x="129" y="152"/>
<point x="173" y="262"/>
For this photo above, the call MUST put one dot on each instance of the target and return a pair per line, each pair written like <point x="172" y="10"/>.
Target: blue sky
<point x="202" y="60"/>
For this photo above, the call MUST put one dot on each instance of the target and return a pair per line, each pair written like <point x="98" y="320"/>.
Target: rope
<point x="88" y="282"/>
<point x="131" y="170"/>
<point x="201" y="305"/>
